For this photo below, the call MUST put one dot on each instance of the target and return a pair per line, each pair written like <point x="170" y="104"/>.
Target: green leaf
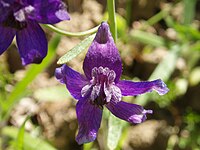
<point x="31" y="74"/>
<point x="187" y="32"/>
<point x="55" y="93"/>
<point x="114" y="131"/>
<point x="20" y="136"/>
<point x="148" y="38"/>
<point x="75" y="51"/>
<point x="30" y="142"/>
<point x="189" y="10"/>
<point x="157" y="17"/>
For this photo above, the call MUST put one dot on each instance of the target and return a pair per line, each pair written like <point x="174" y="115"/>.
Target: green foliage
<point x="30" y="142"/>
<point x="115" y="126"/>
<point x="20" y="136"/>
<point x="5" y="79"/>
<point x="148" y="38"/>
<point x="75" y="51"/>
<point x="189" y="11"/>
<point x="190" y="136"/>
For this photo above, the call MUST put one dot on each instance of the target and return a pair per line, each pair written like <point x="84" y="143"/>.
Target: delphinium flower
<point x="101" y="86"/>
<point x="21" y="18"/>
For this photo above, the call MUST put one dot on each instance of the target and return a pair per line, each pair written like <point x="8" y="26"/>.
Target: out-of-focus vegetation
<point x="156" y="39"/>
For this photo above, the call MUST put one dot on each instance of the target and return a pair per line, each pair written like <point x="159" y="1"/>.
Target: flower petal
<point x="103" y="52"/>
<point x="5" y="9"/>
<point x="129" y="112"/>
<point x="137" y="88"/>
<point x="49" y="11"/>
<point x="7" y="35"/>
<point x="89" y="120"/>
<point x="32" y="43"/>
<point x="74" y="81"/>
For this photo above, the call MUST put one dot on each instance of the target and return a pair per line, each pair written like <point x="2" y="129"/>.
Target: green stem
<point x="112" y="18"/>
<point x="156" y="18"/>
<point x="128" y="11"/>
<point x="71" y="34"/>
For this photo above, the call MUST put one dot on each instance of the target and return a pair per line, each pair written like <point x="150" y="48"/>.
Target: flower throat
<point x="102" y="87"/>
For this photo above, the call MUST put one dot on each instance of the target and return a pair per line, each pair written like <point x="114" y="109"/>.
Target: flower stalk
<point x="112" y="18"/>
<point x="71" y="34"/>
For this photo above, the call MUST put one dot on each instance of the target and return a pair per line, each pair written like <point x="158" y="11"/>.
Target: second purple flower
<point x="21" y="18"/>
<point x="101" y="86"/>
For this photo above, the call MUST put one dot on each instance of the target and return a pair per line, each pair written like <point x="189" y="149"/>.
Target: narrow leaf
<point x="114" y="131"/>
<point x="189" y="11"/>
<point x="148" y="38"/>
<point x="75" y="51"/>
<point x="20" y="135"/>
<point x="30" y="142"/>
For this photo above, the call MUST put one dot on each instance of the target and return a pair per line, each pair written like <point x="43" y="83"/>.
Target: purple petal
<point x="103" y="52"/>
<point x="5" y="9"/>
<point x="89" y="120"/>
<point x="74" y="81"/>
<point x="49" y="11"/>
<point x="129" y="112"/>
<point x="32" y="43"/>
<point x="7" y="35"/>
<point x="136" y="88"/>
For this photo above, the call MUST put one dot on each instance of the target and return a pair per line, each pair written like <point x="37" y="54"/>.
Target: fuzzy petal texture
<point x="7" y="35"/>
<point x="32" y="43"/>
<point x="129" y="112"/>
<point x="89" y="121"/>
<point x="74" y="81"/>
<point x="103" y="52"/>
<point x="129" y="88"/>
<point x="48" y="11"/>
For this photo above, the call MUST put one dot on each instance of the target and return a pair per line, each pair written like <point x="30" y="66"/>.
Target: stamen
<point x="85" y="90"/>
<point x="106" y="71"/>
<point x="20" y="15"/>
<point x="94" y="72"/>
<point x="100" y="70"/>
<point x="111" y="76"/>
<point x="95" y="92"/>
<point x="102" y="87"/>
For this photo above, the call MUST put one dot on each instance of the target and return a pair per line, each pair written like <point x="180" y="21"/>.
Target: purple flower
<point x="101" y="86"/>
<point x="21" y="18"/>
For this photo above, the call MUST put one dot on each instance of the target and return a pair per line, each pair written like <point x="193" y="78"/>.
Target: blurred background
<point x="156" y="39"/>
